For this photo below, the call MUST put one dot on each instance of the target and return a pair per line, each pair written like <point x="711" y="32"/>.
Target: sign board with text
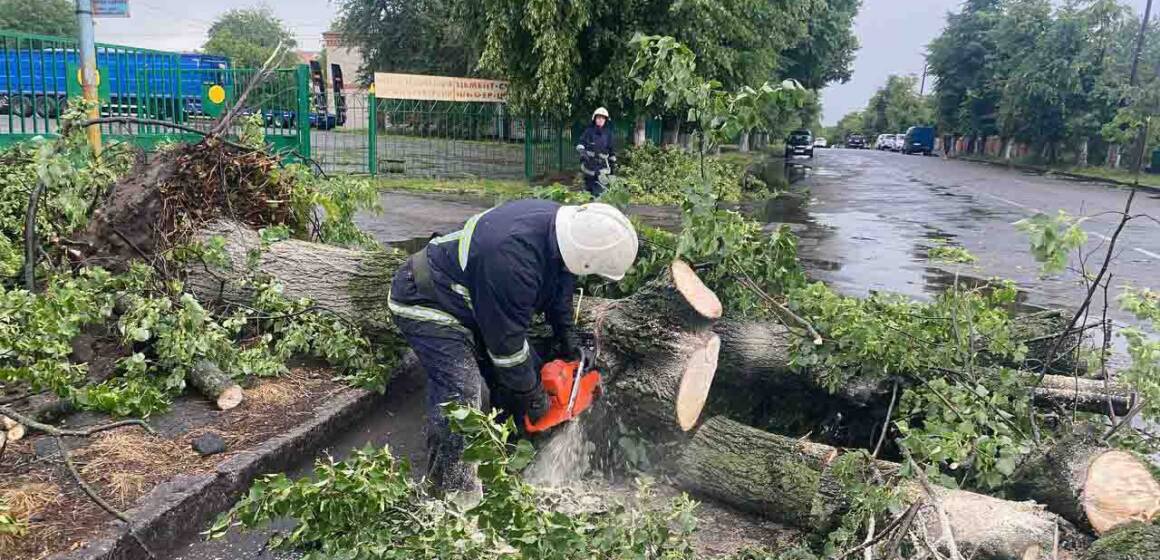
<point x="439" y="88"/>
<point x="111" y="8"/>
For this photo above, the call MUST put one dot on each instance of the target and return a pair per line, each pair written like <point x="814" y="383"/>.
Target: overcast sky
<point x="893" y="33"/>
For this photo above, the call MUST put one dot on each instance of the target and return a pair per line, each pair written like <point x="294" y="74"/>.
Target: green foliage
<point x="895" y="107"/>
<point x="9" y="524"/>
<point x="869" y="498"/>
<point x="431" y="37"/>
<point x="253" y="133"/>
<point x="248" y="36"/>
<point x="662" y="176"/>
<point x="562" y="194"/>
<point x="951" y="254"/>
<point x="971" y="416"/>
<point x="71" y="177"/>
<point x="369" y="506"/>
<point x="43" y="17"/>
<point x="324" y="209"/>
<point x="1143" y="349"/>
<point x="1053" y="239"/>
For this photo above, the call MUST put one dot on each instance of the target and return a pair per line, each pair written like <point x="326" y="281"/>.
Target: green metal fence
<point x="39" y="74"/>
<point x="343" y="132"/>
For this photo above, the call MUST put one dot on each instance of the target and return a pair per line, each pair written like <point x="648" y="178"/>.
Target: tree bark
<point x="1132" y="542"/>
<point x="1095" y="487"/>
<point x="791" y="481"/>
<point x="657" y="349"/>
<point x="210" y="381"/>
<point x="639" y="136"/>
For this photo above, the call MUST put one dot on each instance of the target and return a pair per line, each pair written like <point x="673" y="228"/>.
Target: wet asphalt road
<point x="866" y="220"/>
<point x="873" y="216"/>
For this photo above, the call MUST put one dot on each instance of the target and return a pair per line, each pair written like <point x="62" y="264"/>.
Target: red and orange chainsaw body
<point x="558" y="378"/>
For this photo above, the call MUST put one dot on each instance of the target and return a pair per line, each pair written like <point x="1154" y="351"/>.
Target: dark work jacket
<point x="598" y="140"/>
<point x="502" y="268"/>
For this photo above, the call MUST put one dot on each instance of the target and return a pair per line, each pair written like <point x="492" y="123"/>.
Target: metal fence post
<point x="529" y="150"/>
<point x="373" y="133"/>
<point x="303" y="119"/>
<point x="560" y="145"/>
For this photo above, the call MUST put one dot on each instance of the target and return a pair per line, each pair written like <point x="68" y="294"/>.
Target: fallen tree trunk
<point x="1091" y="485"/>
<point x="757" y="354"/>
<point x="656" y="346"/>
<point x="754" y="357"/>
<point x="790" y="481"/>
<point x="210" y="381"/>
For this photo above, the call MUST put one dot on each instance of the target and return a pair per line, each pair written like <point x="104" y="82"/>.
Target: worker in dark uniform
<point x="465" y="302"/>
<point x="597" y="151"/>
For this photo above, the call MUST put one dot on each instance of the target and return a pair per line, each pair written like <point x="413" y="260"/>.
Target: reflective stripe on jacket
<point x="491" y="277"/>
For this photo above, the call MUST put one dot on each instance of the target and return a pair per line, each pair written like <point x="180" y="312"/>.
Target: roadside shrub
<point x="661" y="175"/>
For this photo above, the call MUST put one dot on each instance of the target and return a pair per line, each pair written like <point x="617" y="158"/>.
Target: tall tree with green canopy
<point x="826" y="53"/>
<point x="436" y="37"/>
<point x="249" y="36"/>
<point x="896" y="106"/>
<point x="966" y="99"/>
<point x="46" y="17"/>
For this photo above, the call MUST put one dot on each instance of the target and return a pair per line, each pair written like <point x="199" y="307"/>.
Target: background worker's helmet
<point x="596" y="238"/>
<point x="600" y="112"/>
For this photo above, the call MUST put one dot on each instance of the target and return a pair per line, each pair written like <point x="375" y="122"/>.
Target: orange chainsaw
<point x="571" y="388"/>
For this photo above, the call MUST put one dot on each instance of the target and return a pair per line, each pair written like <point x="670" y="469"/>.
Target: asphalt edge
<point x="1047" y="171"/>
<point x="175" y="511"/>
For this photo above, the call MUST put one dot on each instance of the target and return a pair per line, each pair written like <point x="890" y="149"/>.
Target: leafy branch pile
<point x="370" y="506"/>
<point x="152" y="329"/>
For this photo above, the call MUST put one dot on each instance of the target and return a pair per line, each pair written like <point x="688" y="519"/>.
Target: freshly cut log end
<point x="1089" y="484"/>
<point x="696" y="381"/>
<point x="1120" y="489"/>
<point x="208" y="379"/>
<point x="703" y="300"/>
<point x="667" y="393"/>
<point x="13" y="430"/>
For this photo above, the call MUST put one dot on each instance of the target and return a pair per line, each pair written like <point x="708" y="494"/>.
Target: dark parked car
<point x="856" y="142"/>
<point x="799" y="143"/>
<point x="919" y="140"/>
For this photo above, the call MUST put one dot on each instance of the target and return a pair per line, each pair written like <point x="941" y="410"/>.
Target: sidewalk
<point x="1148" y="181"/>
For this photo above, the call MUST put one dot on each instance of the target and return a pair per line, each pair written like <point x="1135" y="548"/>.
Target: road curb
<point x="175" y="511"/>
<point x="1046" y="171"/>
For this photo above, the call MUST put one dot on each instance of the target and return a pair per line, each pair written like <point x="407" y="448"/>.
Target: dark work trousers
<point x="455" y="373"/>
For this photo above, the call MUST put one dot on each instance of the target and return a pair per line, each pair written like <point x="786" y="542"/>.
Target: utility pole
<point x="922" y="88"/>
<point x="89" y="74"/>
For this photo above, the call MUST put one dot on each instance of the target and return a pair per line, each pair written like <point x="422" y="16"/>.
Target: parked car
<point x="799" y="143"/>
<point x="918" y="140"/>
<point x="819" y="142"/>
<point x="899" y="142"/>
<point x="856" y="142"/>
<point x="884" y="142"/>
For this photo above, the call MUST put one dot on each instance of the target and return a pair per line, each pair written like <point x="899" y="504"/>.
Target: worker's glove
<point x="568" y="345"/>
<point x="612" y="159"/>
<point x="532" y="403"/>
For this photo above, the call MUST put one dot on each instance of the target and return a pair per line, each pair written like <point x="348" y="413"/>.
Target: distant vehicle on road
<point x="918" y="140"/>
<point x="819" y="142"/>
<point x="856" y="142"/>
<point x="884" y="142"/>
<point x="899" y="142"/>
<point x="799" y="143"/>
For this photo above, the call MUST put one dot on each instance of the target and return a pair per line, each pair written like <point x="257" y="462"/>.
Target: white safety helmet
<point x="600" y="112"/>
<point x="596" y="238"/>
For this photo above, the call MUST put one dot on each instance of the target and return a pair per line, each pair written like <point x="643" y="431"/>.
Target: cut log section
<point x="1137" y="541"/>
<point x="210" y="381"/>
<point x="790" y="481"/>
<point x="13" y="430"/>
<point x="657" y="349"/>
<point x="1094" y="487"/>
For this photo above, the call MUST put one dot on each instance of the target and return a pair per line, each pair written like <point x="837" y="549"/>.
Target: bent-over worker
<point x="465" y="303"/>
